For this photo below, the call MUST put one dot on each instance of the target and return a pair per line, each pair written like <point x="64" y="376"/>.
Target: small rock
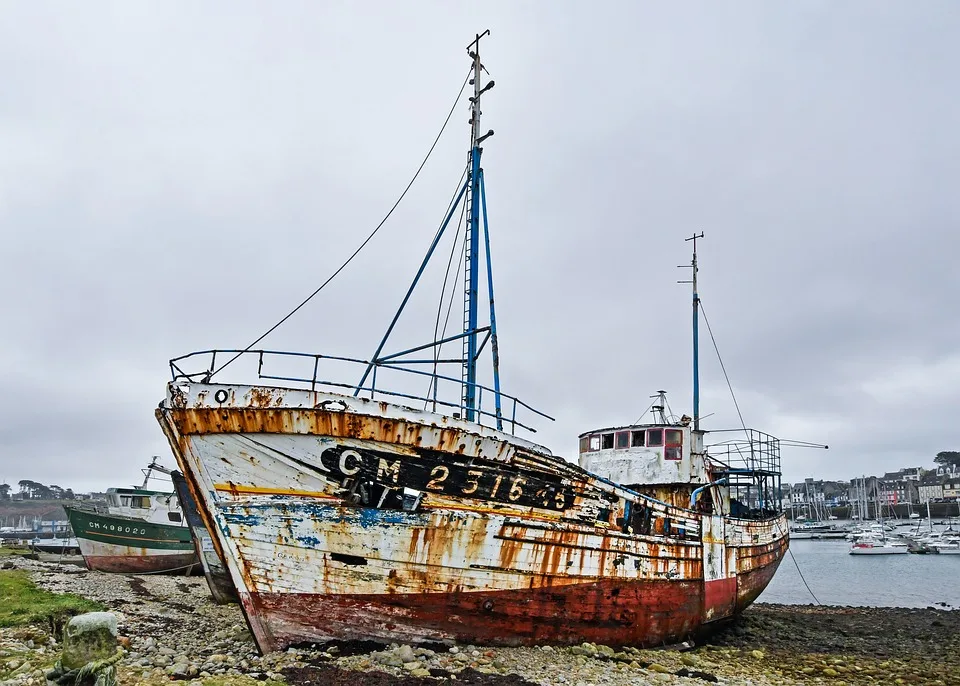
<point x="758" y="654"/>
<point x="660" y="669"/>
<point x="830" y="671"/>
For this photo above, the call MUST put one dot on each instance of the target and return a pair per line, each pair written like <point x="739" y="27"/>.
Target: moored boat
<point x="62" y="546"/>
<point x="878" y="548"/>
<point x="348" y="515"/>
<point x="141" y="531"/>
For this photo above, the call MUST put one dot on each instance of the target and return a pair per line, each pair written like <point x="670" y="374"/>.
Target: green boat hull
<point x="114" y="543"/>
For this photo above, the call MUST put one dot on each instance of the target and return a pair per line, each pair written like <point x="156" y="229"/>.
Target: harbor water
<point x="838" y="578"/>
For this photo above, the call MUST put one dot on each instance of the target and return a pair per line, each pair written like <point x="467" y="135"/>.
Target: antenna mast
<point x="696" y="331"/>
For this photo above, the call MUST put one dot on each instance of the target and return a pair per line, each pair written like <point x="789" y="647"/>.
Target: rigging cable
<point x="722" y="367"/>
<point x="362" y="245"/>
<point x="439" y="335"/>
<point x="643" y="414"/>
<point x="744" y="425"/>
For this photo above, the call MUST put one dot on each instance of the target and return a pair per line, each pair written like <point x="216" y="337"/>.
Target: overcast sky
<point x="177" y="176"/>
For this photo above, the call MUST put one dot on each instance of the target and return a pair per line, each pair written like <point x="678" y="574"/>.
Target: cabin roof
<point x="136" y="491"/>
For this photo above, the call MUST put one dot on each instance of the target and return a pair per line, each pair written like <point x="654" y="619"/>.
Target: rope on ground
<point x="175" y="569"/>
<point x="102" y="672"/>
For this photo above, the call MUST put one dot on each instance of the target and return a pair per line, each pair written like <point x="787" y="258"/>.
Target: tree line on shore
<point x="33" y="490"/>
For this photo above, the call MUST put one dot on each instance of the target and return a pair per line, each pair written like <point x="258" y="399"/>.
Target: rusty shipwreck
<point x="376" y="509"/>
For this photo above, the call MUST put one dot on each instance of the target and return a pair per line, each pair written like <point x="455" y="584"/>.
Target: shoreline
<point x="176" y="631"/>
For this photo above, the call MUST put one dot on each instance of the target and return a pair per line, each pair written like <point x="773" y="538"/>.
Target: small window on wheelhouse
<point x="594" y="443"/>
<point x="623" y="439"/>
<point x="638" y="439"/>
<point x="585" y="444"/>
<point x="674" y="443"/>
<point x="607" y="443"/>
<point x="654" y="437"/>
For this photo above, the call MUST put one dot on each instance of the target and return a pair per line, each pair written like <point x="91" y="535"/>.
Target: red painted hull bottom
<point x="611" y="612"/>
<point x="137" y="564"/>
<point x="751" y="584"/>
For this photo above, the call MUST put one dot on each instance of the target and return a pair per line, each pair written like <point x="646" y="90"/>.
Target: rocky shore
<point x="172" y="630"/>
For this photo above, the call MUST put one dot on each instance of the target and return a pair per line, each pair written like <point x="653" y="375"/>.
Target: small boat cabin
<point x="152" y="506"/>
<point x="665" y="461"/>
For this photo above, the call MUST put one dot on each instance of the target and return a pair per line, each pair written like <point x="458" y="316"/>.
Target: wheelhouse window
<point x="607" y="441"/>
<point x="638" y="439"/>
<point x="674" y="444"/>
<point x="174" y="517"/>
<point x="594" y="443"/>
<point x="585" y="444"/>
<point x="623" y="439"/>
<point x="654" y="438"/>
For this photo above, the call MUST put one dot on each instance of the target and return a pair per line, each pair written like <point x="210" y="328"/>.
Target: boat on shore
<point x="141" y="531"/>
<point x="373" y="511"/>
<point x="215" y="572"/>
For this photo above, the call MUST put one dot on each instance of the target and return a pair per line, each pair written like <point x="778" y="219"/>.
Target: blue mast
<point x="696" y="335"/>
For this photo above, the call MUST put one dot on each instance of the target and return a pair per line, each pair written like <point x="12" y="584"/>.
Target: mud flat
<point x="174" y="631"/>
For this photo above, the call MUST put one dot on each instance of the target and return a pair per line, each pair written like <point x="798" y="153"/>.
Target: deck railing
<point x="504" y="413"/>
<point x="750" y="462"/>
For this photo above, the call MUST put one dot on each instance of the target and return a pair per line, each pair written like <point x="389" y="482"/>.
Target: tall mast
<point x="472" y="238"/>
<point x="696" y="332"/>
<point x="473" y="193"/>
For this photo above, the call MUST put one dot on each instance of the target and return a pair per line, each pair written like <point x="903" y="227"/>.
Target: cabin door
<point x="719" y="575"/>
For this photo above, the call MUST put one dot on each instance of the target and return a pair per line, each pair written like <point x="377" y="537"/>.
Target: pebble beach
<point x="172" y="630"/>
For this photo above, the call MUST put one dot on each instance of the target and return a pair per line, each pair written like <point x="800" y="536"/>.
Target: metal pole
<point x="696" y="337"/>
<point x="493" y="315"/>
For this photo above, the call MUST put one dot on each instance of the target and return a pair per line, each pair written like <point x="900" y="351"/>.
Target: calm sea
<point x="838" y="578"/>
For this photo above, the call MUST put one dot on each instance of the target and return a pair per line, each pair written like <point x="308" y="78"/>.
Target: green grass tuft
<point x="8" y="550"/>
<point x="21" y="602"/>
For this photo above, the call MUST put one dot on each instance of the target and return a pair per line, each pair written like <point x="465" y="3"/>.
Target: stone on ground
<point x="87" y="638"/>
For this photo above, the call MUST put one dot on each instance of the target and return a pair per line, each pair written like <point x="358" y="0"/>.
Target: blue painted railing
<point x="432" y="400"/>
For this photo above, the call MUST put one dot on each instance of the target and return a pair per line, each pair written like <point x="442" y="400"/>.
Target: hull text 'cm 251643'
<point x="341" y="511"/>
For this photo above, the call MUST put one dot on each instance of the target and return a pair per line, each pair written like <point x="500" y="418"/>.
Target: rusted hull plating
<point x="608" y="612"/>
<point x="344" y="518"/>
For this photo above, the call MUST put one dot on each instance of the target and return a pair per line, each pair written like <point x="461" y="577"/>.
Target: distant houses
<point x="914" y="485"/>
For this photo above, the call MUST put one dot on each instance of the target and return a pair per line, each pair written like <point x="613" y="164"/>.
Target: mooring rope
<point x="103" y="671"/>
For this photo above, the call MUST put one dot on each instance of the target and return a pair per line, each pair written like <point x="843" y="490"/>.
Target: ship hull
<point x="125" y="545"/>
<point x="214" y="571"/>
<point x="341" y="518"/>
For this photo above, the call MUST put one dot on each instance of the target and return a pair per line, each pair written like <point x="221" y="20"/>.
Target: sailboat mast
<point x="472" y="238"/>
